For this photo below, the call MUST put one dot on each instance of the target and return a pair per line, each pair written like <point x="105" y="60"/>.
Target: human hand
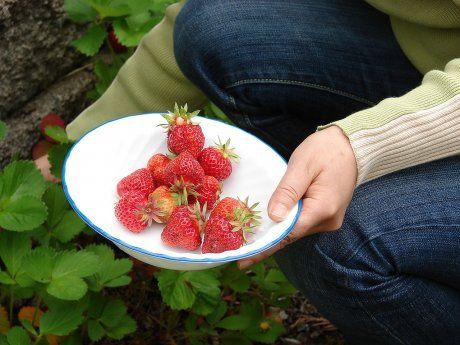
<point x="322" y="171"/>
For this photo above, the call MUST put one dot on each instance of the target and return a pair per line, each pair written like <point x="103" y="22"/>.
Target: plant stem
<point x="37" y="340"/>
<point x="37" y="307"/>
<point x="11" y="303"/>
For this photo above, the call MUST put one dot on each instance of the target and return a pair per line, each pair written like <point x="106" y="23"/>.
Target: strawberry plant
<point x="52" y="289"/>
<point x="117" y="24"/>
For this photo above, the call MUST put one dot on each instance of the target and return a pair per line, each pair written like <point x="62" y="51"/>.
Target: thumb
<point x="291" y="188"/>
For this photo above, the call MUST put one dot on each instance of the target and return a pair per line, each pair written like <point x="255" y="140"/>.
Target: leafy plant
<point x="119" y="24"/>
<point x="50" y="287"/>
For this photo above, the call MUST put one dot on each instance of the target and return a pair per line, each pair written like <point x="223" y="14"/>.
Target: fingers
<point x="290" y="189"/>
<point x="316" y="216"/>
<point x="245" y="263"/>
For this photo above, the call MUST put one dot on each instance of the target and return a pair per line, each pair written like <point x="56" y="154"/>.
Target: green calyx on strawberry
<point x="217" y="160"/>
<point x="245" y="218"/>
<point x="228" y="225"/>
<point x="179" y="117"/>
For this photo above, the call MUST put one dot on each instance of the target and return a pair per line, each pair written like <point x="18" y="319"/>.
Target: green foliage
<point x="129" y="19"/>
<point x="38" y="262"/>
<point x="3" y="129"/>
<point x="201" y="293"/>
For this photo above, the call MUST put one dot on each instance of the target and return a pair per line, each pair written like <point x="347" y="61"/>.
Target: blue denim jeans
<point x="391" y="275"/>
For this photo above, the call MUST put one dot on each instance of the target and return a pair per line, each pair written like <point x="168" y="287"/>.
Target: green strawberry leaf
<point x="56" y="158"/>
<point x="275" y="275"/>
<point x="137" y="21"/>
<point x="21" y="178"/>
<point x="120" y="281"/>
<point x="236" y="279"/>
<point x="56" y="203"/>
<point x="28" y="326"/>
<point x="174" y="289"/>
<point x="69" y="227"/>
<point x="112" y="272"/>
<point x="80" y="264"/>
<point x="110" y="8"/>
<point x="13" y="248"/>
<point x="57" y="133"/>
<point x="113" y="313"/>
<point x="255" y="332"/>
<point x="62" y="222"/>
<point x="17" y="336"/>
<point x="235" y="322"/>
<point x="126" y="326"/>
<point x="61" y="321"/>
<point x="95" y="330"/>
<point x="22" y="214"/>
<point x="131" y="37"/>
<point x="39" y="264"/>
<point x="92" y="40"/>
<point x="218" y="313"/>
<point x="6" y="279"/>
<point x="67" y="287"/>
<point x="3" y="130"/>
<point x="79" y="11"/>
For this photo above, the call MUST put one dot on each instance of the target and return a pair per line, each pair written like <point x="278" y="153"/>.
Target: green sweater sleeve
<point x="149" y="81"/>
<point x="420" y="126"/>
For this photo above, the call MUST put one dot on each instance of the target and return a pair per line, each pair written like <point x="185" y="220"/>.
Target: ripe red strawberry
<point x="226" y="206"/>
<point x="157" y="165"/>
<point x="220" y="237"/>
<point x="41" y="148"/>
<point x="184" y="168"/>
<point x="51" y="120"/>
<point x="163" y="202"/>
<point x="208" y="191"/>
<point x="133" y="211"/>
<point x="140" y="180"/>
<point x="184" y="228"/>
<point x="216" y="161"/>
<point x="115" y="43"/>
<point x="183" y="134"/>
<point x="227" y="225"/>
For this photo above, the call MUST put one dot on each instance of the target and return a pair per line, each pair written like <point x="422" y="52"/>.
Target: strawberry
<point x="183" y="134"/>
<point x="157" y="165"/>
<point x="115" y="43"/>
<point x="220" y="237"/>
<point x="184" y="227"/>
<point x="133" y="211"/>
<point x="226" y="206"/>
<point x="216" y="161"/>
<point x="41" y="148"/>
<point x="140" y="180"/>
<point x="228" y="224"/>
<point x="51" y="120"/>
<point x="184" y="168"/>
<point x="209" y="191"/>
<point x="164" y="201"/>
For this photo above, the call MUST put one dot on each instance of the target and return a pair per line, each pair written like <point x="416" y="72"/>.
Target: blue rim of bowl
<point x="119" y="242"/>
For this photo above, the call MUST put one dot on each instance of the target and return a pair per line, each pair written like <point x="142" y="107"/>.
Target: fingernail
<point x="279" y="211"/>
<point x="245" y="264"/>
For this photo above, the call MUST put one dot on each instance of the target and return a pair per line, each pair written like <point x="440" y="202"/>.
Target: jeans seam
<point x="391" y="232"/>
<point x="300" y="83"/>
<point x="371" y="316"/>
<point x="249" y="123"/>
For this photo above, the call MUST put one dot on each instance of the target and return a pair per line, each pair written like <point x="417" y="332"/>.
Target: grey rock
<point x="66" y="97"/>
<point x="35" y="49"/>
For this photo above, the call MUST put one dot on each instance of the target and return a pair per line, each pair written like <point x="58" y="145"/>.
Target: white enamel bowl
<point x="103" y="156"/>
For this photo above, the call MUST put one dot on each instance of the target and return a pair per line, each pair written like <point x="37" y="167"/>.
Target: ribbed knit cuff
<point x="419" y="127"/>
